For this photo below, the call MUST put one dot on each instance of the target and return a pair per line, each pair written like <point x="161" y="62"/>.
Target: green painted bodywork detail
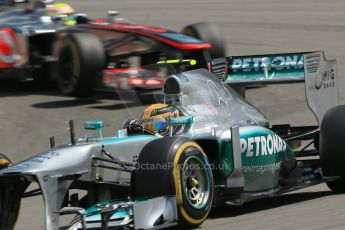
<point x="117" y="201"/>
<point x="184" y="120"/>
<point x="279" y="67"/>
<point x="93" y="211"/>
<point x="271" y="74"/>
<point x="225" y="163"/>
<point x="262" y="162"/>
<point x="105" y="141"/>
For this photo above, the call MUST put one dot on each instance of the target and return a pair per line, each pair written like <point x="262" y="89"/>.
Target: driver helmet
<point x="154" y="117"/>
<point x="63" y="9"/>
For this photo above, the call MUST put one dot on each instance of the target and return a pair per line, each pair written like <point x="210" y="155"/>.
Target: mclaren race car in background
<point x="36" y="46"/>
<point x="224" y="153"/>
<point x="13" y="2"/>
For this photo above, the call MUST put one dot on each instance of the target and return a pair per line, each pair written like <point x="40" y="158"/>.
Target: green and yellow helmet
<point x="154" y="117"/>
<point x="62" y="9"/>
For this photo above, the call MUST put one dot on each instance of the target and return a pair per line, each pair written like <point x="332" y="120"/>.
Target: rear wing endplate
<point x="319" y="75"/>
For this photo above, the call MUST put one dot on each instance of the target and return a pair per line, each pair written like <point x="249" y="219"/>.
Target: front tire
<point x="187" y="175"/>
<point x="81" y="61"/>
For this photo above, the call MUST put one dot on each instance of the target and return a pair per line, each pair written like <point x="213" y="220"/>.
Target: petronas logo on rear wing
<point x="270" y="68"/>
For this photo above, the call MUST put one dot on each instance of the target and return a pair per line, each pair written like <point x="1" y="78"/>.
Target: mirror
<point x="94" y="125"/>
<point x="113" y="13"/>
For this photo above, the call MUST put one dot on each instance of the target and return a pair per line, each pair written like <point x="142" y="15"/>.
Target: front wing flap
<point x="143" y="213"/>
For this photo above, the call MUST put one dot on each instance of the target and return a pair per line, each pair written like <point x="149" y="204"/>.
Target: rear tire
<point x="186" y="174"/>
<point x="210" y="34"/>
<point x="81" y="61"/>
<point x="332" y="147"/>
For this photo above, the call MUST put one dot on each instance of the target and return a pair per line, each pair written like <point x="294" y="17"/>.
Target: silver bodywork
<point x="213" y="105"/>
<point x="216" y="109"/>
<point x="57" y="169"/>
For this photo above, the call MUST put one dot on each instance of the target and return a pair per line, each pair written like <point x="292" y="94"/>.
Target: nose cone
<point x="64" y="159"/>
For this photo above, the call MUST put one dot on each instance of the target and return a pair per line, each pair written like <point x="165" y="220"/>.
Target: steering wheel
<point x="133" y="126"/>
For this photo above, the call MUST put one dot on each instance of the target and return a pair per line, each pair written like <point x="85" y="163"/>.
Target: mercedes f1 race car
<point x="43" y="44"/>
<point x="220" y="151"/>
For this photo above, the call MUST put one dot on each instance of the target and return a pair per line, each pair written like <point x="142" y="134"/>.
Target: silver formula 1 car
<point x="226" y="153"/>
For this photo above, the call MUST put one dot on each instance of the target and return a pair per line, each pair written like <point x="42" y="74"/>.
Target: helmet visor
<point x="155" y="125"/>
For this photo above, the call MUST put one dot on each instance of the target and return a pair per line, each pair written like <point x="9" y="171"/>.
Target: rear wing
<point x="318" y="74"/>
<point x="260" y="69"/>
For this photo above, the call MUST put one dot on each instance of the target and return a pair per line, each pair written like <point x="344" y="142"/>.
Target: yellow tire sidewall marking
<point x="5" y="162"/>
<point x="177" y="179"/>
<point x="76" y="65"/>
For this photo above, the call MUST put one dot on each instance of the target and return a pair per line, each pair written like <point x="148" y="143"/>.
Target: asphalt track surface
<point x="29" y="115"/>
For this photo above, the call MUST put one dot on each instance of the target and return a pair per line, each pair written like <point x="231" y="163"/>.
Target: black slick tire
<point x="80" y="63"/>
<point x="332" y="147"/>
<point x="162" y="171"/>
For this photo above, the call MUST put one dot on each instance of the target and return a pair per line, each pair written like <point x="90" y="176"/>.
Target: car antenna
<point x="52" y="142"/>
<point x="72" y="132"/>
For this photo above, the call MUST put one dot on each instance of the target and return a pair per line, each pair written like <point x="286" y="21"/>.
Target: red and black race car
<point x="35" y="45"/>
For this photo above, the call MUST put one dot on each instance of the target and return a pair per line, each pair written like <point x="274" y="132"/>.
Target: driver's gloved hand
<point x="133" y="126"/>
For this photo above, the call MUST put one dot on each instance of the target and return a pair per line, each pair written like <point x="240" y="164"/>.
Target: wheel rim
<point x="69" y="67"/>
<point x="196" y="182"/>
<point x="66" y="67"/>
